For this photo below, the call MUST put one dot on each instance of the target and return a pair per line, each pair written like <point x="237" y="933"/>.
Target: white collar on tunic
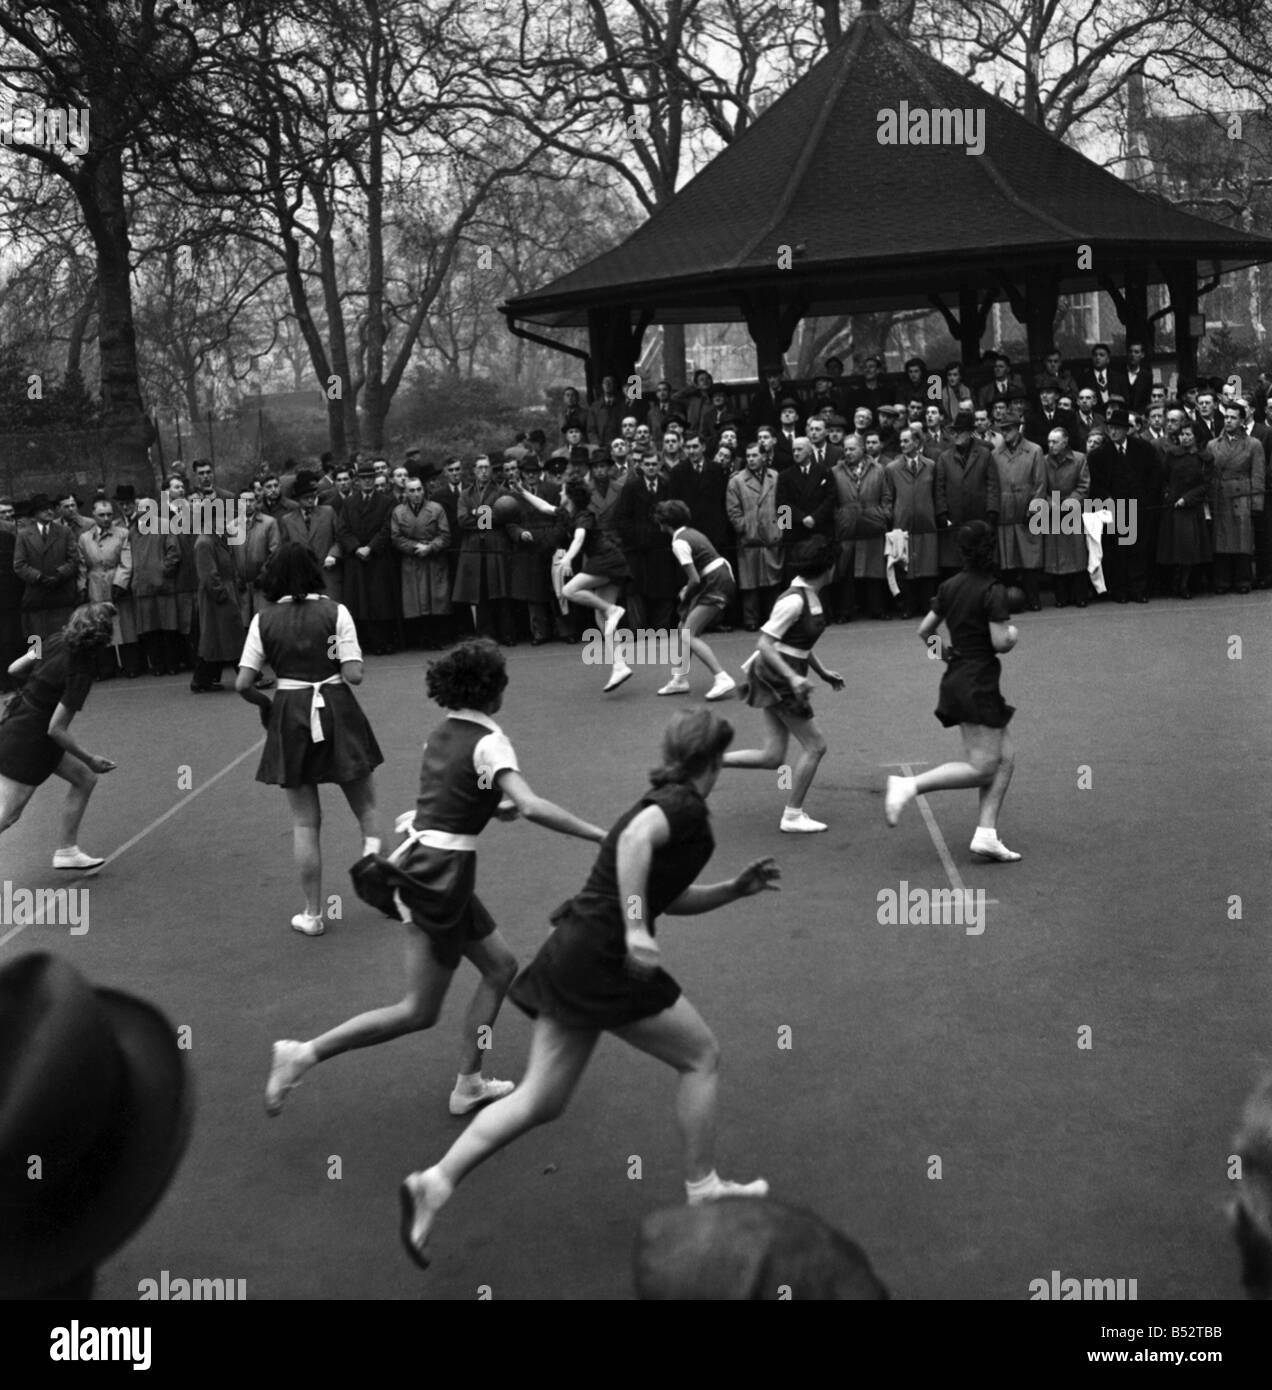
<point x="289" y="598"/>
<point x="475" y="716"/>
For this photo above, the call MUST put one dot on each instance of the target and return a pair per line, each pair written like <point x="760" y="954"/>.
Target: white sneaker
<point x="723" y="686"/>
<point x="75" y="858"/>
<point x="284" y="1073"/>
<point x="621" y="672"/>
<point x="723" y="1188"/>
<point x="611" y="623"/>
<point x="677" y="685"/>
<point x="987" y="843"/>
<point x="801" y="824"/>
<point x="464" y="1102"/>
<point x="309" y="926"/>
<point x="896" y="798"/>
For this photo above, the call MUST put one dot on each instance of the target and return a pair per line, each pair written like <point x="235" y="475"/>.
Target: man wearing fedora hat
<point x="45" y="559"/>
<point x="314" y="526"/>
<point x="94" y="1086"/>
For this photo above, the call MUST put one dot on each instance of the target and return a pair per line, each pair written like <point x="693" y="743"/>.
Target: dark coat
<point x="370" y="586"/>
<point x="966" y="489"/>
<point x="813" y="496"/>
<point x="220" y="623"/>
<point x="704" y="494"/>
<point x="12" y="586"/>
<point x="1116" y="385"/>
<point x="1183" y="538"/>
<point x="47" y="566"/>
<point x="317" y="535"/>
<point x="605" y="420"/>
<point x="530" y="564"/>
<point x="646" y="548"/>
<point x="484" y="549"/>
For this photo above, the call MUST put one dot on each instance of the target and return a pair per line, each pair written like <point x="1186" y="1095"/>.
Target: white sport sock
<point x="707" y="1184"/>
<point x="371" y="844"/>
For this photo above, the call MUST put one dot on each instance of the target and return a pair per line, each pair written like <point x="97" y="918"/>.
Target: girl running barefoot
<point x="777" y="683"/>
<point x="973" y="606"/>
<point x="708" y="591"/>
<point x="316" y="731"/>
<point x="429" y="881"/>
<point x="35" y="737"/>
<point x="599" y="972"/>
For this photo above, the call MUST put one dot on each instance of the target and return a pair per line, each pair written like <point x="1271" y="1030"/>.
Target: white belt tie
<point x="430" y="839"/>
<point x="317" y="704"/>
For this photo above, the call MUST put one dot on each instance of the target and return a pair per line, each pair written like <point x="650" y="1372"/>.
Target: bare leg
<point x="771" y="755"/>
<point x="679" y="1037"/>
<point x="812" y="750"/>
<point x="426" y="986"/>
<point x="82" y="779"/>
<point x="700" y="619"/>
<point x="991" y="797"/>
<point x="981" y="747"/>
<point x="13" y="800"/>
<point x="590" y="591"/>
<point x="558" y="1057"/>
<point x="306" y="813"/>
<point x="361" y="798"/>
<point x="498" y="968"/>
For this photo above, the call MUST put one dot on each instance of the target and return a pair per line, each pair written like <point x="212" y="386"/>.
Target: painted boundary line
<point x="154" y="825"/>
<point x="934" y="830"/>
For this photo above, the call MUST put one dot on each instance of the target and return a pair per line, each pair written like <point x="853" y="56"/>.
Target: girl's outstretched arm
<point x="543" y="812"/>
<point x="760" y="876"/>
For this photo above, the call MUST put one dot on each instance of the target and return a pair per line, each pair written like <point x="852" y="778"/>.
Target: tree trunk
<point x="101" y="198"/>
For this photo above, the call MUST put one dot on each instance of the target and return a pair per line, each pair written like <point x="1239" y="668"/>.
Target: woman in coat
<point x="421" y="536"/>
<point x="1182" y="538"/>
<point x="1064" y="554"/>
<point x="220" y="622"/>
<point x="481" y="577"/>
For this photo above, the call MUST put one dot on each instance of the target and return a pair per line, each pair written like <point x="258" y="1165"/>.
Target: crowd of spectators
<point x="886" y="468"/>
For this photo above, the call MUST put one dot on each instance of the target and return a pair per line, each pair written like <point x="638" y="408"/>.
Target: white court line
<point x="934" y="830"/>
<point x="951" y="869"/>
<point x="154" y="825"/>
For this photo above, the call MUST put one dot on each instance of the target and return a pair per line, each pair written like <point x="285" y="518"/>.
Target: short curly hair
<point x="470" y="677"/>
<point x="91" y="625"/>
